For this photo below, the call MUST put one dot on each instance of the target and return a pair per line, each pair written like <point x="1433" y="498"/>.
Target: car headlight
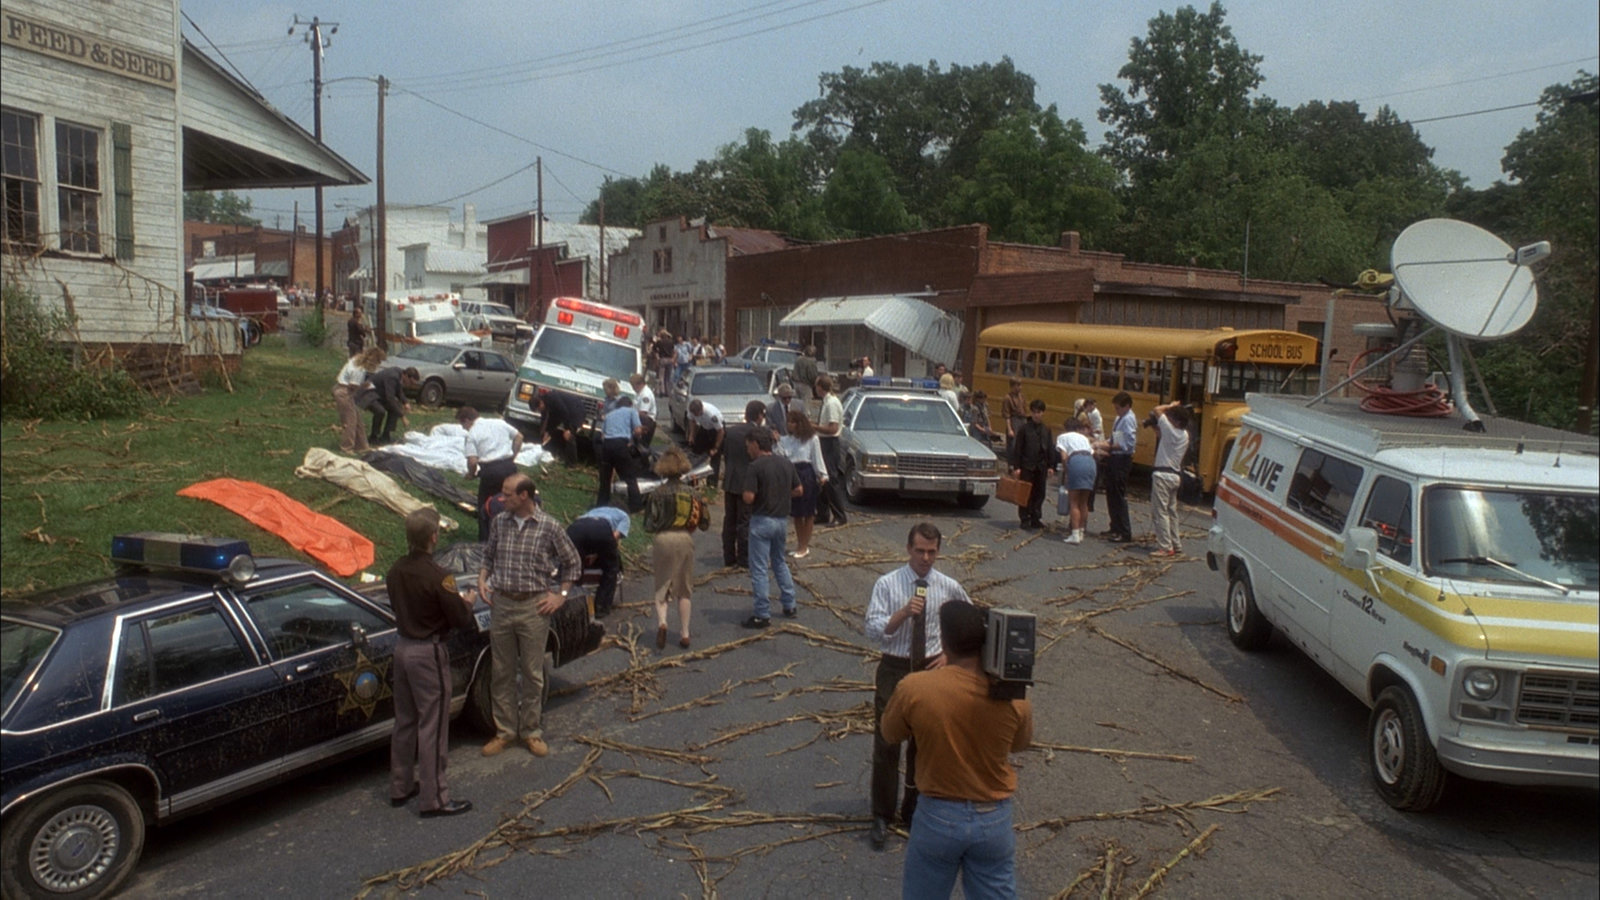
<point x="980" y="467"/>
<point x="1481" y="684"/>
<point x="878" y="462"/>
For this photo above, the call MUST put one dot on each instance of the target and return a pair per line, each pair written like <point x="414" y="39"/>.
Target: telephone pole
<point x="380" y="252"/>
<point x="318" y="43"/>
<point x="538" y="239"/>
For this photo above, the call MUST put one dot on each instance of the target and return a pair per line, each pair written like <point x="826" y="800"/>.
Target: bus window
<point x="1158" y="378"/>
<point x="1109" y="376"/>
<point x="1133" y="376"/>
<point x="1047" y="367"/>
<point x="1086" y="370"/>
<point x="991" y="361"/>
<point x="1066" y="367"/>
<point x="1010" y="366"/>
<point x="1030" y="364"/>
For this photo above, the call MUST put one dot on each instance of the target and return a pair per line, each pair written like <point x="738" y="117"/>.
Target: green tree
<point x="861" y="198"/>
<point x="1033" y="178"/>
<point x="222" y="207"/>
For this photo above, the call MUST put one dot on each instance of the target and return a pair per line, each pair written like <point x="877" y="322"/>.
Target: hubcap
<point x="75" y="848"/>
<point x="1237" y="608"/>
<point x="1388" y="747"/>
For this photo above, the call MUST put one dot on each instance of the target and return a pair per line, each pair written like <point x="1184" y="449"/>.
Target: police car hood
<point x="918" y="442"/>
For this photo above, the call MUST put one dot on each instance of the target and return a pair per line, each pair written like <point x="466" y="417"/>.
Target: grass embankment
<point x="66" y="487"/>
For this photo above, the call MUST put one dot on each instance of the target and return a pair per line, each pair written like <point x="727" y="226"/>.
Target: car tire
<point x="1405" y="768"/>
<point x="76" y="843"/>
<point x="974" y="501"/>
<point x="853" y="489"/>
<point x="1247" y="627"/>
<point x="432" y="393"/>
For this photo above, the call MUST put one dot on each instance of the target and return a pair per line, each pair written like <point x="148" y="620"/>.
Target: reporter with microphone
<point x="903" y="618"/>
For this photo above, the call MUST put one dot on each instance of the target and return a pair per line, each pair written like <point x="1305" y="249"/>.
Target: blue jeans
<point x="975" y="839"/>
<point x="767" y="536"/>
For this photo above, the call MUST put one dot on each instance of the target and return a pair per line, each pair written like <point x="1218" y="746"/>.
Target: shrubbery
<point x="38" y="378"/>
<point x="313" y="327"/>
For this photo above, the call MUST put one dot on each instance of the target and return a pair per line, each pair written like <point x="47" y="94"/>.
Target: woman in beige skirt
<point x="352" y="438"/>
<point x="673" y="513"/>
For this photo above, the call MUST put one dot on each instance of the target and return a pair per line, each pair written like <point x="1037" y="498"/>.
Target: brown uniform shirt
<point x="423" y="595"/>
<point x="963" y="737"/>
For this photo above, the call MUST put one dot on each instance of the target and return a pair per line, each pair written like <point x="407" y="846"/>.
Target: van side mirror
<point x="1361" y="552"/>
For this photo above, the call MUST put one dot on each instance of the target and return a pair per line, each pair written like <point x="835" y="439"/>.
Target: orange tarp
<point x="325" y="539"/>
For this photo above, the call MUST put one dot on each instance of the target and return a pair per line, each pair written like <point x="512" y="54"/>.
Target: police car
<point x="900" y="435"/>
<point x="194" y="674"/>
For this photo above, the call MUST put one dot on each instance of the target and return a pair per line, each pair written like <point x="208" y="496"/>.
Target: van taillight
<point x="620" y="331"/>
<point x="564" y="318"/>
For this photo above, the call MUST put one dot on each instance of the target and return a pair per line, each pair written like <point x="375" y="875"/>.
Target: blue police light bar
<point x="924" y="384"/>
<point x="188" y="552"/>
<point x="771" y="342"/>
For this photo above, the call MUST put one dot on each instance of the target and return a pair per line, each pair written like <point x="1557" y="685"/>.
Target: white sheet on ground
<point x="442" y="448"/>
<point x="363" y="480"/>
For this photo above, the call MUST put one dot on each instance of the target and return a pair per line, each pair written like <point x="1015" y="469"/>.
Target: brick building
<point x="525" y="274"/>
<point x="982" y="283"/>
<point x="673" y="274"/>
<point x="215" y="253"/>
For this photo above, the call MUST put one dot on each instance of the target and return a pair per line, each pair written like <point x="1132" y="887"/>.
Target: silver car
<point x="458" y="375"/>
<point x="725" y="387"/>
<point x="909" y="441"/>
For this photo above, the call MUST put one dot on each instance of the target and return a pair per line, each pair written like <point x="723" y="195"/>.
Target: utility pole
<point x="538" y="238"/>
<point x="318" y="44"/>
<point x="380" y="252"/>
<point x="294" y="244"/>
<point x="604" y="297"/>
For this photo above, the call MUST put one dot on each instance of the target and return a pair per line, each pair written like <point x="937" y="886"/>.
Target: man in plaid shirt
<point x="529" y="567"/>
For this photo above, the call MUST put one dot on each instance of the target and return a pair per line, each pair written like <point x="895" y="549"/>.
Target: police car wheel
<point x="79" y="842"/>
<point x="853" y="486"/>
<point x="1405" y="768"/>
<point x="1247" y="627"/>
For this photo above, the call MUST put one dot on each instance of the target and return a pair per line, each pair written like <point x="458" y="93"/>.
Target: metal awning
<point x="513" y="277"/>
<point x="360" y="274"/>
<point x="917" y="325"/>
<point x="212" y="269"/>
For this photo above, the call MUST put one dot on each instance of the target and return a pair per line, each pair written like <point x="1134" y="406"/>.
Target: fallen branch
<point x="1142" y="654"/>
<point x="1160" y="873"/>
<point x="1220" y="803"/>
<point x="1111" y="753"/>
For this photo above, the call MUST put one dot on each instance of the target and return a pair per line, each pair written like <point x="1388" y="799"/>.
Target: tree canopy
<point x="222" y="207"/>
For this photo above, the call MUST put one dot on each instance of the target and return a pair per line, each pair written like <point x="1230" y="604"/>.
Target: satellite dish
<point x="1464" y="279"/>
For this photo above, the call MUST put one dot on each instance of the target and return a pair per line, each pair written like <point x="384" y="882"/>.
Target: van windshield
<point x="438" y="326"/>
<point x="1508" y="535"/>
<point x="580" y="351"/>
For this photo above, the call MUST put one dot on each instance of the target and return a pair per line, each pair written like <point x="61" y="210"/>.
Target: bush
<point x="313" y="327"/>
<point x="38" y="377"/>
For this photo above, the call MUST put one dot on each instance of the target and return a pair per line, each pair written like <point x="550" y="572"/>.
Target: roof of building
<point x="745" y="241"/>
<point x="441" y="259"/>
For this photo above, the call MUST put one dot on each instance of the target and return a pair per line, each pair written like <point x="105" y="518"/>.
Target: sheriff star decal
<point x="365" y="683"/>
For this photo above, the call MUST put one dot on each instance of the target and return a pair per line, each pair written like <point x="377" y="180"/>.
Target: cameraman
<point x="1171" y="421"/>
<point x="966" y="781"/>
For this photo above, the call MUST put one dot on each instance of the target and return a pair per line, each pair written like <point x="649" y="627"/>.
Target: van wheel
<point x="79" y="842"/>
<point x="1247" y="627"/>
<point x="1405" y="767"/>
<point x="432" y="393"/>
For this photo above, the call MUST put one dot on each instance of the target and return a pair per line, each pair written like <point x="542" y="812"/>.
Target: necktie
<point x="919" y="629"/>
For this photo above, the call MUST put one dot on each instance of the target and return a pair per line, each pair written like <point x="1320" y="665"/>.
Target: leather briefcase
<point x="1013" y="490"/>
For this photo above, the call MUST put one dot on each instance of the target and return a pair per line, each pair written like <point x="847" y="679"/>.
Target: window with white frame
<point x="19" y="133"/>
<point x="79" y="184"/>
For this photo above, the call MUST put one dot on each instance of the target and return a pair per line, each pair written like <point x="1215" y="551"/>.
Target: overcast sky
<point x="612" y="87"/>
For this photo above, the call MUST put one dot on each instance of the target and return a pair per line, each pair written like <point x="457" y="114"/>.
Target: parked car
<point x="726" y="388"/>
<point x="766" y="356"/>
<point x="249" y="329"/>
<point x="900" y="435"/>
<point x="498" y="319"/>
<point x="458" y="375"/>
<point x="162" y="691"/>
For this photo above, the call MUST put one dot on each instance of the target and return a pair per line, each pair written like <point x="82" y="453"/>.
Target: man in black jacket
<point x="563" y="415"/>
<point x="1030" y="461"/>
<point x="386" y="400"/>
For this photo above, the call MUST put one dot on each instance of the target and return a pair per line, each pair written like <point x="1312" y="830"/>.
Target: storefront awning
<point x="213" y="269"/>
<point x="512" y="277"/>
<point x="917" y="325"/>
<point x="360" y="274"/>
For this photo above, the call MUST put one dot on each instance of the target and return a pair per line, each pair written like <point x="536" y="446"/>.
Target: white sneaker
<point x="1076" y="537"/>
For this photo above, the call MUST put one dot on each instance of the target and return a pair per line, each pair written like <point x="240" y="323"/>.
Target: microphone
<point x="919" y="629"/>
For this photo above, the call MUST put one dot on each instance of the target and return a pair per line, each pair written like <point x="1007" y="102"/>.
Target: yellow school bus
<point x="1210" y="370"/>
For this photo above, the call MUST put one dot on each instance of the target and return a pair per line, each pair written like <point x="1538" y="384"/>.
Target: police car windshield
<point x="22" y="648"/>
<point x="927" y="415"/>
<point x="580" y="351"/>
<point x="1517" y="536"/>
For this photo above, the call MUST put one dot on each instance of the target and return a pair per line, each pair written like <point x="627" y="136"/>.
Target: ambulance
<point x="420" y="316"/>
<point x="580" y="344"/>
<point x="1446" y="577"/>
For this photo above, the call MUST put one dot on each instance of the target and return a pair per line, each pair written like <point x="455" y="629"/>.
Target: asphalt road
<point x="741" y="769"/>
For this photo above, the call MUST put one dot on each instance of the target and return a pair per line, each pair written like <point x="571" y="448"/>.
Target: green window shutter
<point x="122" y="166"/>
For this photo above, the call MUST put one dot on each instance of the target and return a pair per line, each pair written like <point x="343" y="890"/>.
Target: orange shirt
<point x="963" y="736"/>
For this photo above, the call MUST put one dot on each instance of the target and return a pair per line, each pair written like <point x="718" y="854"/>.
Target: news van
<point x="1446" y="577"/>
<point x="579" y="345"/>
<point x="422" y="317"/>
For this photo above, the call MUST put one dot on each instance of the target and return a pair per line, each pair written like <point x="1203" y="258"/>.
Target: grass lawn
<point x="67" y="487"/>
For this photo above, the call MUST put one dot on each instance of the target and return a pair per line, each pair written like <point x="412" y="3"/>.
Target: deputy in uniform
<point x="491" y="446"/>
<point x="426" y="606"/>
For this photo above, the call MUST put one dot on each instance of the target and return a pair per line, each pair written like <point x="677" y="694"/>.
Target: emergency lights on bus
<point x="215" y="556"/>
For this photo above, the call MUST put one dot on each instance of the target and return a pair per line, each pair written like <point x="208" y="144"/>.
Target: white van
<point x="495" y="319"/>
<point x="422" y="317"/>
<point x="1447" y="578"/>
<point x="579" y="346"/>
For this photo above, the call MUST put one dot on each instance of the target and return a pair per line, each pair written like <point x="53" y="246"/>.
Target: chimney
<point x="1070" y="241"/>
<point x="469" y="226"/>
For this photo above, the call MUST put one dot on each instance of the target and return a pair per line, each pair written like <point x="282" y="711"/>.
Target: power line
<point x="505" y="177"/>
<point x="1434" y="87"/>
<point x="223" y="56"/>
<point x="1476" y="112"/>
<point x="495" y="128"/>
